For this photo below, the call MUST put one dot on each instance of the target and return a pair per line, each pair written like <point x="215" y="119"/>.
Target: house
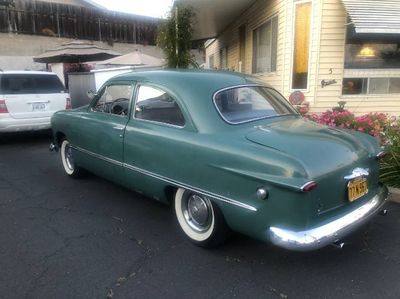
<point x="325" y="50"/>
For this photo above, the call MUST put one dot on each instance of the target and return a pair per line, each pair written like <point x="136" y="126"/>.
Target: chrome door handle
<point x="118" y="128"/>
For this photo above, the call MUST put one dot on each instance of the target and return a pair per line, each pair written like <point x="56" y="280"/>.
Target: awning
<point x="75" y="52"/>
<point x="374" y="16"/>
<point x="135" y="58"/>
<point x="212" y="16"/>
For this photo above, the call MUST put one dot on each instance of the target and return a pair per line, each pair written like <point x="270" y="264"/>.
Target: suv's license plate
<point x="357" y="188"/>
<point x="38" y="106"/>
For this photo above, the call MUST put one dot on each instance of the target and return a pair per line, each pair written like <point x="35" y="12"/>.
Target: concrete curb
<point x="394" y="194"/>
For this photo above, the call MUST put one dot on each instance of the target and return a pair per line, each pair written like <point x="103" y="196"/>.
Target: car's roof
<point x="195" y="88"/>
<point x="172" y="77"/>
<point x="27" y="73"/>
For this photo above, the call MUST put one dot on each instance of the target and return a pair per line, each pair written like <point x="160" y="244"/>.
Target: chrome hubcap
<point x="68" y="157"/>
<point x="197" y="212"/>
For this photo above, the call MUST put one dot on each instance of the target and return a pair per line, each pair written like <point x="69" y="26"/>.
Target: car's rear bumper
<point x="328" y="233"/>
<point x="9" y="124"/>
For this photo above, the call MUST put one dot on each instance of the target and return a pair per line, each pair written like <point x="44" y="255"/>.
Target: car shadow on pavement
<point x="25" y="137"/>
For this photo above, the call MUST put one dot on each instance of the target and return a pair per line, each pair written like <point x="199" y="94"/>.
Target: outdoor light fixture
<point x="366" y="52"/>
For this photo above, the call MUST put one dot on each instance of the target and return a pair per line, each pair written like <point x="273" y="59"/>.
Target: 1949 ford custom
<point x="229" y="152"/>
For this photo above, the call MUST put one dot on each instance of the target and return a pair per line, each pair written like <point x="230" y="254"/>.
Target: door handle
<point x="118" y="128"/>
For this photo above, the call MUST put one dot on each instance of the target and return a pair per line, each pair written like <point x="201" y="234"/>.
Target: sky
<point x="152" y="8"/>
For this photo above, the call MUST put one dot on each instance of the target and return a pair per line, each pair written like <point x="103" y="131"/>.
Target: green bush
<point x="390" y="165"/>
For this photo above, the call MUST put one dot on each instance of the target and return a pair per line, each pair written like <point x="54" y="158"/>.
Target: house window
<point x="360" y="86"/>
<point x="301" y="50"/>
<point x="223" y="58"/>
<point x="265" y="39"/>
<point x="371" y="51"/>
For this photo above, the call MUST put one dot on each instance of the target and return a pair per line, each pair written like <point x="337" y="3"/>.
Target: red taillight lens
<point x="3" y="106"/>
<point x="380" y="155"/>
<point x="68" y="104"/>
<point x="307" y="187"/>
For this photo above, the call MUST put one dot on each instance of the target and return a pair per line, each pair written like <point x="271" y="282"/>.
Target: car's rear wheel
<point x="200" y="219"/>
<point x="67" y="158"/>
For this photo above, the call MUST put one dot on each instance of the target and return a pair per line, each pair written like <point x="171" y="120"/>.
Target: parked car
<point x="28" y="99"/>
<point x="230" y="153"/>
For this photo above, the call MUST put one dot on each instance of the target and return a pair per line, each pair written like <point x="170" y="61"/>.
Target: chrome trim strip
<point x="168" y="180"/>
<point x="330" y="232"/>
<point x="356" y="173"/>
<point x="112" y="161"/>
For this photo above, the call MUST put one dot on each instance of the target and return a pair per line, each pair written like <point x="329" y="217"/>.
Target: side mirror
<point x="91" y="94"/>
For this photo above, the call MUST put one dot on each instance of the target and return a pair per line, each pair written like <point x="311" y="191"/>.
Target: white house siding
<point x="253" y="17"/>
<point x="326" y="57"/>
<point x="332" y="52"/>
<point x="314" y="47"/>
<point x="331" y="55"/>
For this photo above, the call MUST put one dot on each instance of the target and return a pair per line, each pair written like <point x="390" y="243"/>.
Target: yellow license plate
<point x="357" y="188"/>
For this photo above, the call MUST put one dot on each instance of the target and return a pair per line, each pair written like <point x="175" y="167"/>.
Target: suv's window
<point x="30" y="84"/>
<point x="114" y="99"/>
<point x="156" y="105"/>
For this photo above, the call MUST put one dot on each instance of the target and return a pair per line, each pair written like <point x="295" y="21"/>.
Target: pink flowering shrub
<point x="380" y="125"/>
<point x="372" y="123"/>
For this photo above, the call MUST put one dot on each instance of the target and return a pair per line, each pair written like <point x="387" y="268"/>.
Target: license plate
<point x="38" y="106"/>
<point x="357" y="188"/>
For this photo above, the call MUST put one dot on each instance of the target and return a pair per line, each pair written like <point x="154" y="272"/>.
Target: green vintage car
<point x="229" y="153"/>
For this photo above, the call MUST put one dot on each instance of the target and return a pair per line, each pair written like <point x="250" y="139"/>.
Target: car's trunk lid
<point x="327" y="154"/>
<point x="34" y="105"/>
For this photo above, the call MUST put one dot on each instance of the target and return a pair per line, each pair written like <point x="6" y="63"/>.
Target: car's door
<point x="102" y="130"/>
<point x="155" y="138"/>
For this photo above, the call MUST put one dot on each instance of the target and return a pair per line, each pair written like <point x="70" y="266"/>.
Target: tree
<point x="174" y="36"/>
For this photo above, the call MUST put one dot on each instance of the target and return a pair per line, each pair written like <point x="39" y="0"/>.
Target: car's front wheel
<point x="200" y="219"/>
<point x="67" y="158"/>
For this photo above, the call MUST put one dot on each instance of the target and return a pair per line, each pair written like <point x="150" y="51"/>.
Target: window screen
<point x="265" y="47"/>
<point x="156" y="105"/>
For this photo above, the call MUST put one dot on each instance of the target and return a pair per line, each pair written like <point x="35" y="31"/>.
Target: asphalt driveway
<point x="88" y="238"/>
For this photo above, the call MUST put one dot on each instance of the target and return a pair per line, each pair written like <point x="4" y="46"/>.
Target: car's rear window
<point x="247" y="103"/>
<point x="30" y="84"/>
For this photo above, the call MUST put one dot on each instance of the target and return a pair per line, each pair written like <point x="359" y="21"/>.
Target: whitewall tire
<point x="200" y="219"/>
<point x="67" y="158"/>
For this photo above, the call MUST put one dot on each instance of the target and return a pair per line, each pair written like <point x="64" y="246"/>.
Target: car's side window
<point x="154" y="104"/>
<point x="114" y="99"/>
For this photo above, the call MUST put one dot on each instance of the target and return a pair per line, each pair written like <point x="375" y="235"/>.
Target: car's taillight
<point x="380" y="155"/>
<point x="3" y="106"/>
<point x="68" y="104"/>
<point x="307" y="187"/>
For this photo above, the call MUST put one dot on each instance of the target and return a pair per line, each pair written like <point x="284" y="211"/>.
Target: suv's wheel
<point x="70" y="167"/>
<point x="200" y="219"/>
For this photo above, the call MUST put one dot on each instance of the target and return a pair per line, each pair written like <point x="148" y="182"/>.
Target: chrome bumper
<point x="330" y="232"/>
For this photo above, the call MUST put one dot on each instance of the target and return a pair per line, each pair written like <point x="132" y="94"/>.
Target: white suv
<point x="28" y="99"/>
